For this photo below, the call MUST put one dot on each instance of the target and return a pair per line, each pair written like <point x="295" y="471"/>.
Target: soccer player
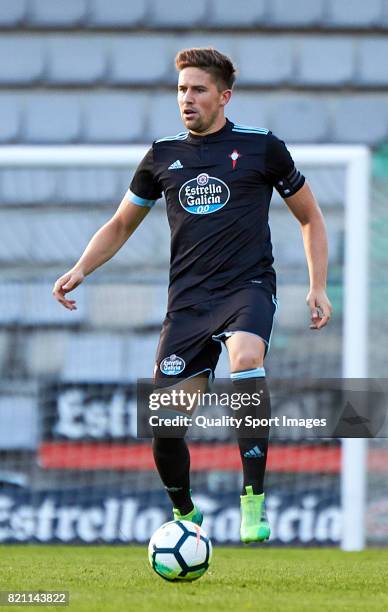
<point x="217" y="178"/>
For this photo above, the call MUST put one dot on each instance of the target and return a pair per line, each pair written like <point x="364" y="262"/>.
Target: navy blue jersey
<point x="218" y="190"/>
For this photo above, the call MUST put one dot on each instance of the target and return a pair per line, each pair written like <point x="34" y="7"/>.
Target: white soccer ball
<point x="180" y="550"/>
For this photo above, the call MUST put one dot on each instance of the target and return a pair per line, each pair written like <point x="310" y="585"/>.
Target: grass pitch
<point x="107" y="578"/>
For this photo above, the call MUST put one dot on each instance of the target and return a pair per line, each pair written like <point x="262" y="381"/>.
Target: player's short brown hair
<point x="218" y="65"/>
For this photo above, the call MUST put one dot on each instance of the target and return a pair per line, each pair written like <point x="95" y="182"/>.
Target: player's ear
<point x="225" y="96"/>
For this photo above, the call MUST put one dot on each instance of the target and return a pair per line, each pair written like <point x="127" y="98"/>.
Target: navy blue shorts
<point x="190" y="340"/>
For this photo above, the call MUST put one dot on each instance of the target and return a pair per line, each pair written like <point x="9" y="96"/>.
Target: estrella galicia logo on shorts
<point x="172" y="366"/>
<point x="204" y="194"/>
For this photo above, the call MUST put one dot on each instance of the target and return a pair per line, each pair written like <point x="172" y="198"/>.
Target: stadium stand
<point x="117" y="14"/>
<point x="105" y="97"/>
<point x="357" y="109"/>
<point x="10" y="111"/>
<point x="27" y="64"/>
<point x="117" y="118"/>
<point x="372" y="72"/>
<point x="356" y="13"/>
<point x="98" y="72"/>
<point x="12" y="13"/>
<point x="90" y="67"/>
<point x="318" y="61"/>
<point x="51" y="14"/>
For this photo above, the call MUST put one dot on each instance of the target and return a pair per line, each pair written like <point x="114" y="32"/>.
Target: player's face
<point x="201" y="103"/>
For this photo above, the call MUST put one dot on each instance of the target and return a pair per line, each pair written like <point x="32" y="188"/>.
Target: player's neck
<point x="215" y="127"/>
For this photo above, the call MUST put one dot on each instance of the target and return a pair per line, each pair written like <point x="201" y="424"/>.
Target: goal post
<point x="355" y="161"/>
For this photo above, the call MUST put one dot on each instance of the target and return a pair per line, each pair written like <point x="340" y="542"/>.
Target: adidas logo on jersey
<point x="176" y="165"/>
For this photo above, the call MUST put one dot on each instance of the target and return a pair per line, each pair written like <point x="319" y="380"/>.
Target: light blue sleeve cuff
<point x="139" y="201"/>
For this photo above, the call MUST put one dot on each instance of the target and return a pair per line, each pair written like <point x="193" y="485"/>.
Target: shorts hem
<point x="188" y="377"/>
<point x="229" y="333"/>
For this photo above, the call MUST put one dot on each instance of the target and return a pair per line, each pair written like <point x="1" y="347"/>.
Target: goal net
<point x="73" y="469"/>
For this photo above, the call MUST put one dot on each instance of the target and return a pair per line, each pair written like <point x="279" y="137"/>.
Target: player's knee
<point x="246" y="361"/>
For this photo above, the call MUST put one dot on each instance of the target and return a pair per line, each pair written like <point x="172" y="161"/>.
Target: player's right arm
<point x="105" y="243"/>
<point x="103" y="246"/>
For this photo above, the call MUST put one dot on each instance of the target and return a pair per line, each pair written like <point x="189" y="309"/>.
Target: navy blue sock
<point x="172" y="459"/>
<point x="253" y="444"/>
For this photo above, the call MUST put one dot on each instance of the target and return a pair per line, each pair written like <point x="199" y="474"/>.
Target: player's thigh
<point x="185" y="359"/>
<point x="180" y="401"/>
<point x="248" y="332"/>
<point x="184" y="393"/>
<point x="186" y="349"/>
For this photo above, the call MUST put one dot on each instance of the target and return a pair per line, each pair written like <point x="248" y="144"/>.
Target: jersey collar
<point x="213" y="137"/>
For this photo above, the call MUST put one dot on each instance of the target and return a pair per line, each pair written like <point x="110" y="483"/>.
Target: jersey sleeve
<point x="280" y="168"/>
<point x="145" y="189"/>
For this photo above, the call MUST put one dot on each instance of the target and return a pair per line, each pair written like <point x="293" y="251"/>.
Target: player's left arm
<point x="305" y="208"/>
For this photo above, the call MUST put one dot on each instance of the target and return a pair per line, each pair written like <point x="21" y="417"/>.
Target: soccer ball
<point x="180" y="550"/>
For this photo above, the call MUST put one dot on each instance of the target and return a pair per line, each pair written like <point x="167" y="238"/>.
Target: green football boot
<point x="254" y="522"/>
<point x="195" y="516"/>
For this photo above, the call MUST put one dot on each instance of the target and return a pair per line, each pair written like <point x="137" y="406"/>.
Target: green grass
<point x="119" y="579"/>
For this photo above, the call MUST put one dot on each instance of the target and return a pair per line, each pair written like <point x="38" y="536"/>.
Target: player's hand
<point x="66" y="283"/>
<point x="320" y="308"/>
